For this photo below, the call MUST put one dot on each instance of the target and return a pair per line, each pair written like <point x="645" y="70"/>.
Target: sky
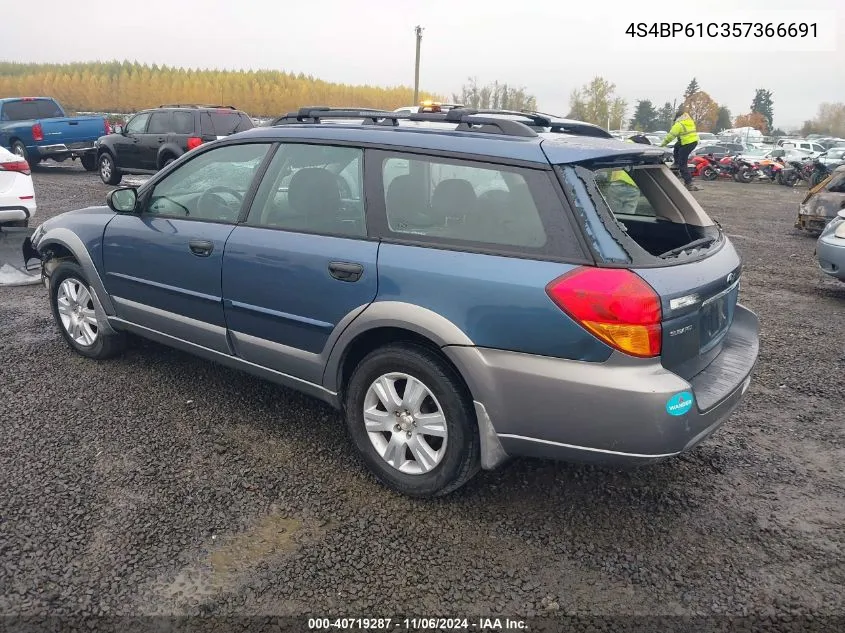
<point x="547" y="47"/>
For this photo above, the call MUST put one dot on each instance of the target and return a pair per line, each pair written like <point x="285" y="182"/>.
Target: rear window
<point x="27" y="110"/>
<point x="638" y="214"/>
<point x="225" y="122"/>
<point x="19" y="111"/>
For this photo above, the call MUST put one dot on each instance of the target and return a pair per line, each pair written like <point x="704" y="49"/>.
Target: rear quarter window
<point x="470" y="205"/>
<point x="224" y="123"/>
<point x="49" y="109"/>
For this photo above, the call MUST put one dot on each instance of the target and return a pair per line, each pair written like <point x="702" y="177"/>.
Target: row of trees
<point x="128" y="87"/>
<point x="598" y="103"/>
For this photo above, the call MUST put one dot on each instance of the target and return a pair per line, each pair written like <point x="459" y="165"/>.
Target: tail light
<point x="194" y="142"/>
<point x="37" y="132"/>
<point x="20" y="166"/>
<point x="615" y="305"/>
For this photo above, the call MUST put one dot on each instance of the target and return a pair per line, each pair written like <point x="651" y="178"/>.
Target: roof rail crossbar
<point x="536" y="118"/>
<point x="495" y="126"/>
<point x="467" y="119"/>
<point x="196" y="105"/>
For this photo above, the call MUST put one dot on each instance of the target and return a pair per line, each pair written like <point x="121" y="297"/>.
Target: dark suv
<point x="154" y="138"/>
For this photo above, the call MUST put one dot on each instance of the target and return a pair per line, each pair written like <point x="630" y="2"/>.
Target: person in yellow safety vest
<point x="684" y="130"/>
<point x="622" y="192"/>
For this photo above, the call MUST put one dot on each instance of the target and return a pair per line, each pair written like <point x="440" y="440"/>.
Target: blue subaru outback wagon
<point x="463" y="286"/>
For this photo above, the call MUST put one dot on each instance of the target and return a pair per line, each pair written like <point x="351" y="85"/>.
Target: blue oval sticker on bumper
<point x="680" y="403"/>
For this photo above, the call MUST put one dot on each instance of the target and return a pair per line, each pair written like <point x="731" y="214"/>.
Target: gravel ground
<point x="159" y="483"/>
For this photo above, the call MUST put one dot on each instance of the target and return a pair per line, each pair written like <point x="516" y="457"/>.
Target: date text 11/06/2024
<point x="723" y="29"/>
<point x="417" y="624"/>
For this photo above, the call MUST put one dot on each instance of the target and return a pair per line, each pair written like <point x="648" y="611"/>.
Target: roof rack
<point x="467" y="119"/>
<point x="195" y="105"/>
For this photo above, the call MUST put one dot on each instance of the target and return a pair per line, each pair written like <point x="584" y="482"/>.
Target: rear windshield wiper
<point x="704" y="241"/>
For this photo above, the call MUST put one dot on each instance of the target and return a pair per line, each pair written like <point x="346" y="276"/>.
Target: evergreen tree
<point x="764" y="105"/>
<point x="692" y="88"/>
<point x="645" y="116"/>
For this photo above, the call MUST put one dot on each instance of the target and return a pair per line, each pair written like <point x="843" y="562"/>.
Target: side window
<point x="183" y="122"/>
<point x="160" y="123"/>
<point x="49" y="109"/>
<point x="138" y="123"/>
<point x="212" y="186"/>
<point x="459" y="201"/>
<point x="313" y="189"/>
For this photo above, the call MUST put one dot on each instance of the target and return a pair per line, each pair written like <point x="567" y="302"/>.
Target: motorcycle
<point x="703" y="167"/>
<point x="818" y="171"/>
<point x="734" y="168"/>
<point x="793" y="172"/>
<point x="768" y="169"/>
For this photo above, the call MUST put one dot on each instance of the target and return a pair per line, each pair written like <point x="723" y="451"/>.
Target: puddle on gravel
<point x="230" y="559"/>
<point x="273" y="535"/>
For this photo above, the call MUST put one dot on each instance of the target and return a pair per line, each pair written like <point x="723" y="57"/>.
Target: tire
<point x="167" y="161"/>
<point x="19" y="149"/>
<point x="109" y="173"/>
<point x="709" y="174"/>
<point x="744" y="176"/>
<point x="70" y="275"/>
<point x="815" y="179"/>
<point x="456" y="456"/>
<point x="89" y="162"/>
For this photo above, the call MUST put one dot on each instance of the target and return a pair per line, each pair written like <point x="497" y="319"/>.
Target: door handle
<point x="201" y="248"/>
<point x="346" y="271"/>
<point x="161" y="139"/>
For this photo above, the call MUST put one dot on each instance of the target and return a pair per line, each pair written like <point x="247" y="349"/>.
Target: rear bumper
<point x="65" y="150"/>
<point x="616" y="412"/>
<point x="830" y="252"/>
<point x="17" y="212"/>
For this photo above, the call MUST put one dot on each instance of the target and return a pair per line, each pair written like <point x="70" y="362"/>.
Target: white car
<point x="17" y="195"/>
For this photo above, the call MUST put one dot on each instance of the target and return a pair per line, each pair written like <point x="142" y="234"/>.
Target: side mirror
<point x="123" y="200"/>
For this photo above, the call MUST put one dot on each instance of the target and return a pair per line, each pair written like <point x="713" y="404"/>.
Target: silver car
<point x="830" y="249"/>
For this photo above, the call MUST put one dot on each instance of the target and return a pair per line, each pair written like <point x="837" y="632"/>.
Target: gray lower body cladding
<point x="622" y="411"/>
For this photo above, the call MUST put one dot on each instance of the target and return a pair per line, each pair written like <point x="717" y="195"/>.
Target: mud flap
<point x="19" y="263"/>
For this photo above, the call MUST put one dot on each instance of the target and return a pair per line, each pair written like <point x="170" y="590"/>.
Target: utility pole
<point x="418" y="30"/>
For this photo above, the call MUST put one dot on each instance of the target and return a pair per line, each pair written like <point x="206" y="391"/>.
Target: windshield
<point x="638" y="214"/>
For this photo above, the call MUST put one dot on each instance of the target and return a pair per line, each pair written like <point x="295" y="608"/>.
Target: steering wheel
<point x="209" y="203"/>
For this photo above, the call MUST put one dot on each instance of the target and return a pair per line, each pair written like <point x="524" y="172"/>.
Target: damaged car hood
<point x="827" y="198"/>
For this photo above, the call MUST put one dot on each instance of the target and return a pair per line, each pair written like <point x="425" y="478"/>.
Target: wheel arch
<point x="169" y="150"/>
<point x="387" y="322"/>
<point x="69" y="245"/>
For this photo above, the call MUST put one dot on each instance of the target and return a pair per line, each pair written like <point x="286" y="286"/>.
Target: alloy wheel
<point x="76" y="311"/>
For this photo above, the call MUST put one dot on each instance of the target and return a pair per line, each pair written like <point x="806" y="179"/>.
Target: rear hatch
<point x="637" y="215"/>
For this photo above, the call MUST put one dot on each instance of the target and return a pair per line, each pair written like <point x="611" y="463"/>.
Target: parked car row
<point x="462" y="286"/>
